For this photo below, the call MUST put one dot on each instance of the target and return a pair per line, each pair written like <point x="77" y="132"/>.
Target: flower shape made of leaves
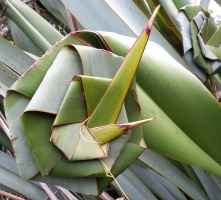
<point x="73" y="128"/>
<point x="201" y="41"/>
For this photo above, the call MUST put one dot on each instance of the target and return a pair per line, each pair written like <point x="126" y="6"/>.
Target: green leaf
<point x="57" y="9"/>
<point x="171" y="173"/>
<point x="77" y="142"/>
<point x="133" y="186"/>
<point x="153" y="181"/>
<point x="5" y="141"/>
<point x="38" y="111"/>
<point x="20" y="62"/>
<point x="11" y="179"/>
<point x="7" y="76"/>
<point x="106" y="133"/>
<point x="123" y="22"/>
<point x="24" y="85"/>
<point x="40" y="32"/>
<point x="22" y="41"/>
<point x="208" y="183"/>
<point x="204" y="4"/>
<point x="106" y="111"/>
<point x="201" y="35"/>
<point x="156" y="86"/>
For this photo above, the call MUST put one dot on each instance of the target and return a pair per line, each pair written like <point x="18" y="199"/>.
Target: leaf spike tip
<point x="151" y="20"/>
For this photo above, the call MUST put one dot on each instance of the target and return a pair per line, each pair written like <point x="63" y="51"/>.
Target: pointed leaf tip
<point x="149" y="25"/>
<point x="134" y="124"/>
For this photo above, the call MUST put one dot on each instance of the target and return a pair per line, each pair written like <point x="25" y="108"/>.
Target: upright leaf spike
<point x="109" y="106"/>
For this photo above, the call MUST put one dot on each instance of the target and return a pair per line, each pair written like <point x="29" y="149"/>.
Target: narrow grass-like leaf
<point x="169" y="171"/>
<point x="13" y="13"/>
<point x="208" y="183"/>
<point x="57" y="9"/>
<point x="133" y="186"/>
<point x="20" y="62"/>
<point x="11" y="178"/>
<point x="151" y="182"/>
<point x="22" y="41"/>
<point x="5" y="141"/>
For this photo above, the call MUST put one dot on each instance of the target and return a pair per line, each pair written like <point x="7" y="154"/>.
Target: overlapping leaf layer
<point x="75" y="127"/>
<point x="201" y="42"/>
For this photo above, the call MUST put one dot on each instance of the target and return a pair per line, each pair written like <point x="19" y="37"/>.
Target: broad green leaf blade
<point x="76" y="169"/>
<point x="87" y="143"/>
<point x="45" y="153"/>
<point x="77" y="142"/>
<point x="65" y="138"/>
<point x="145" y="7"/>
<point x="39" y="116"/>
<point x="171" y="173"/>
<point x="133" y="110"/>
<point x="53" y="161"/>
<point x="94" y="88"/>
<point x="48" y="91"/>
<point x="29" y="83"/>
<point x="26" y="85"/>
<point x="7" y="76"/>
<point x="148" y="77"/>
<point x="163" y="128"/>
<point x="56" y="81"/>
<point x="109" y="106"/>
<point x="24" y="157"/>
<point x="169" y="12"/>
<point x="70" y="112"/>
